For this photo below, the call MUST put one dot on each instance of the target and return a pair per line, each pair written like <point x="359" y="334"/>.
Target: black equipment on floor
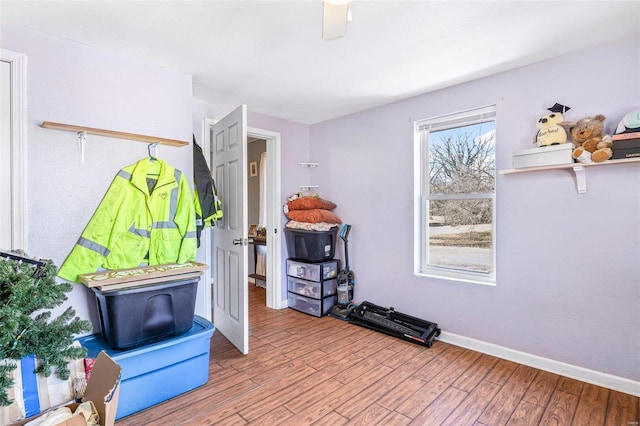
<point x="388" y="321"/>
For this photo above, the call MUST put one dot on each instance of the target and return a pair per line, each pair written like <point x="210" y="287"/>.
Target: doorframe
<point x="274" y="248"/>
<point x="205" y="237"/>
<point x="18" y="106"/>
<point x="274" y="235"/>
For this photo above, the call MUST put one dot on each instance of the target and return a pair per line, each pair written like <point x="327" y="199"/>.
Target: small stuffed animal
<point x="589" y="141"/>
<point x="295" y="196"/>
<point x="550" y="132"/>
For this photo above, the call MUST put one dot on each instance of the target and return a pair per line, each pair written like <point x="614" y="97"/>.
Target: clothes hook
<point x="154" y="147"/>
<point x="82" y="140"/>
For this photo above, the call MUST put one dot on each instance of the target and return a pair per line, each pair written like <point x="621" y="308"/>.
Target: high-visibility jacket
<point x="147" y="216"/>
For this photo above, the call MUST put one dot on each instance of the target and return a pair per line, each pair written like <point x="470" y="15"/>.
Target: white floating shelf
<point x="309" y="187"/>
<point x="578" y="170"/>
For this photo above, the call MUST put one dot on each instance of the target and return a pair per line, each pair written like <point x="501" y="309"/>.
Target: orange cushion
<point x="313" y="216"/>
<point x="308" y="203"/>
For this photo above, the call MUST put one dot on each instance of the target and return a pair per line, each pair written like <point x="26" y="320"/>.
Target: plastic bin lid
<point x="94" y="343"/>
<point x="146" y="287"/>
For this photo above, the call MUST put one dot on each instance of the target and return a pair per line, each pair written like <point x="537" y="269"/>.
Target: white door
<point x="230" y="243"/>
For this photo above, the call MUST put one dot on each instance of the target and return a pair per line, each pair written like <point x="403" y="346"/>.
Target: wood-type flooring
<point x="303" y="370"/>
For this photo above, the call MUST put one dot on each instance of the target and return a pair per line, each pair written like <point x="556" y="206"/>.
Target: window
<point x="455" y="186"/>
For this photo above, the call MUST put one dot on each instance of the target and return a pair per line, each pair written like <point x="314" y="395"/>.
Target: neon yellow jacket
<point x="147" y="216"/>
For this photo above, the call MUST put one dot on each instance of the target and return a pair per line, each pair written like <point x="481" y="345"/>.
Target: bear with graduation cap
<point x="550" y="127"/>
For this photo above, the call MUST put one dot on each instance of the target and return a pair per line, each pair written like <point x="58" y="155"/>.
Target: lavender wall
<point x="568" y="276"/>
<point x="75" y="84"/>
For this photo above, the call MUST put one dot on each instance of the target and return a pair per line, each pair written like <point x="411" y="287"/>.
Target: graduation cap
<point x="559" y="108"/>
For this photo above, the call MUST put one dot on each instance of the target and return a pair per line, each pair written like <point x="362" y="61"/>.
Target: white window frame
<point x="18" y="63"/>
<point x="421" y="196"/>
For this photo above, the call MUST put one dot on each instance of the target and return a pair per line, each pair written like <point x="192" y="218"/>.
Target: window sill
<point x="458" y="276"/>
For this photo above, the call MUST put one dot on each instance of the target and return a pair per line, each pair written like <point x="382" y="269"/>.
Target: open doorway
<point x="257" y="209"/>
<point x="272" y="213"/>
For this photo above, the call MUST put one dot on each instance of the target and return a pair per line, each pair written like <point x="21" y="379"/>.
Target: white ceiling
<point x="270" y="54"/>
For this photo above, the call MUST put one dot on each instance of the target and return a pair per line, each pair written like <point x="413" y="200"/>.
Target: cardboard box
<point x="543" y="156"/>
<point x="103" y="389"/>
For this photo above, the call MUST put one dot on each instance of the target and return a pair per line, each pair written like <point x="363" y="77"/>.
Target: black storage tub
<point x="146" y="314"/>
<point x="311" y="246"/>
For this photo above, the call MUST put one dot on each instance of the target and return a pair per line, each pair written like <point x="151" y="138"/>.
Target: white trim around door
<point x="274" y="230"/>
<point x="18" y="147"/>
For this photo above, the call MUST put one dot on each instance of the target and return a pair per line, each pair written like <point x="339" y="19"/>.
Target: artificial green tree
<point x="27" y="292"/>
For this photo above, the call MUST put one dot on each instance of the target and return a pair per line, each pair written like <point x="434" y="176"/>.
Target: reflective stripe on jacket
<point x="147" y="216"/>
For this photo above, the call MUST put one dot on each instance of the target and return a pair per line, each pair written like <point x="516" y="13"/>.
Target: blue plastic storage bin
<point x="160" y="371"/>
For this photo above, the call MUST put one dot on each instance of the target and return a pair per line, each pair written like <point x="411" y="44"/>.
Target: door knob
<point x="240" y="242"/>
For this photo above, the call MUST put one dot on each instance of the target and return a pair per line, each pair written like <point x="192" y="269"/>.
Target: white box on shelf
<point x="543" y="156"/>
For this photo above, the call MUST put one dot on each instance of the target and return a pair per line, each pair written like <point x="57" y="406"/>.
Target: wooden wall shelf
<point x="113" y="134"/>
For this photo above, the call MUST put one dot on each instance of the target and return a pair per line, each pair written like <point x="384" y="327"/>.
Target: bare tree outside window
<point x="461" y="187"/>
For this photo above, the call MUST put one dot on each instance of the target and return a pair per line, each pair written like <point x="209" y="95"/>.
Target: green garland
<point x="26" y="327"/>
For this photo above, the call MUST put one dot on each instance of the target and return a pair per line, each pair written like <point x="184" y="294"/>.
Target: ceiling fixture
<point x="335" y="18"/>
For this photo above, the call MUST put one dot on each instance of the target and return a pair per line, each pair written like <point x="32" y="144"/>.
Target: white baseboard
<point x="579" y="373"/>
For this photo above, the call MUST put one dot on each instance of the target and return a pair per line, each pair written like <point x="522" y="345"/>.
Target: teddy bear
<point x="550" y="132"/>
<point x="589" y="141"/>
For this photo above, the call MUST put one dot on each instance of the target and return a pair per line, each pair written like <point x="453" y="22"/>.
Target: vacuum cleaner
<point x="345" y="282"/>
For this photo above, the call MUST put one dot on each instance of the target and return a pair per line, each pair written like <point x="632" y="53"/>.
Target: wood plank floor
<point x="303" y="370"/>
